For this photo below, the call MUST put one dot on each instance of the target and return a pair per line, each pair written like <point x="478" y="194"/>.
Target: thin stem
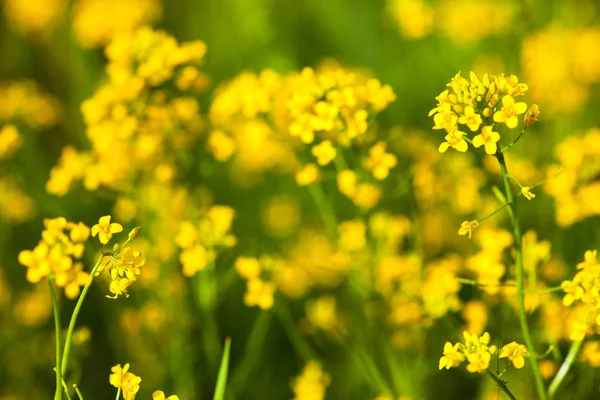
<point x="512" y="212"/>
<point x="501" y="384"/>
<point x="324" y="207"/>
<point x="566" y="365"/>
<point x="78" y="392"/>
<point x="64" y="385"/>
<point x="495" y="285"/>
<point x="565" y="368"/>
<point x="480" y="220"/>
<point x="514" y="141"/>
<point x="58" y="392"/>
<point x="73" y="321"/>
<point x="118" y="394"/>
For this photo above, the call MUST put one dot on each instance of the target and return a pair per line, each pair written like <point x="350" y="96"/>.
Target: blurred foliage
<point x="342" y="333"/>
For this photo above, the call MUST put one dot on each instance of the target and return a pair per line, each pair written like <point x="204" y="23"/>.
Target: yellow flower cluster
<point x="259" y="290"/>
<point x="576" y="188"/>
<point x="134" y="125"/>
<point x="25" y="101"/>
<point x="59" y="255"/>
<point x="125" y="381"/>
<point x="364" y="194"/>
<point x="97" y="22"/>
<point x="34" y="17"/>
<point x="311" y="383"/>
<point x="477" y="105"/>
<point x="323" y="314"/>
<point x="488" y="263"/>
<point x="200" y="241"/>
<point x="260" y="118"/>
<point x="15" y="205"/>
<point x="585" y="286"/>
<point x="475" y="350"/>
<point x="380" y="162"/>
<point x="570" y="69"/>
<point x="439" y="181"/>
<point x="465" y="22"/>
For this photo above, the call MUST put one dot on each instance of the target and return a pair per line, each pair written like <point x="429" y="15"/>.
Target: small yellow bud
<point x="134" y="233"/>
<point x="526" y="191"/>
<point x="532" y="114"/>
<point x="468" y="227"/>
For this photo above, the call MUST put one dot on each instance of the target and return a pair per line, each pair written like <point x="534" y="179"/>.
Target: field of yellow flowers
<point x="261" y="199"/>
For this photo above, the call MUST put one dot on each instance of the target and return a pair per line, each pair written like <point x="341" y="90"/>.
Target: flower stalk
<point x="520" y="280"/>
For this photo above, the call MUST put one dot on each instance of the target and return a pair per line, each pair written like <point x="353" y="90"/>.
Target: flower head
<point x="526" y="191"/>
<point x="468" y="227"/>
<point x="515" y="353"/>
<point x="105" y="229"/>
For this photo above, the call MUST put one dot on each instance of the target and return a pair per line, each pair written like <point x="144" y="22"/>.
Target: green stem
<point x="118" y="394"/>
<point x="480" y="220"/>
<point x="567" y="364"/>
<point x="73" y="321"/>
<point x="473" y="282"/>
<point x="324" y="207"/>
<point x="59" y="389"/>
<point x="565" y="368"/>
<point x="78" y="392"/>
<point x="501" y="384"/>
<point x="299" y="342"/>
<point x="512" y="212"/>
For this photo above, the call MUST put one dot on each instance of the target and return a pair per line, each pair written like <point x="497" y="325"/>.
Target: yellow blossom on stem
<point x="526" y="191"/>
<point x="509" y="112"/>
<point x="307" y="175"/>
<point x="127" y="382"/>
<point x="105" y="229"/>
<point x="487" y="138"/>
<point x="324" y="152"/>
<point x="456" y="141"/>
<point x="515" y="353"/>
<point x="453" y="356"/>
<point x="160" y="395"/>
<point x="468" y="227"/>
<point x="532" y="114"/>
<point x="471" y="119"/>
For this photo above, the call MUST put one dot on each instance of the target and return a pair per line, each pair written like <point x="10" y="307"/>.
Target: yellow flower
<point x="324" y="152"/>
<point x="468" y="227"/>
<point x="259" y="293"/>
<point x="247" y="267"/>
<point x="509" y="112"/>
<point x="352" y="235"/>
<point x="104" y="229"/>
<point x="454" y="140"/>
<point x="526" y="191"/>
<point x="307" y="175"/>
<point x="470" y="118"/>
<point x="532" y="114"/>
<point x="160" y="395"/>
<point x="311" y="384"/>
<point x="10" y="140"/>
<point x="452" y="356"/>
<point x="346" y="182"/>
<point x="487" y="138"/>
<point x="515" y="353"/>
<point x="194" y="259"/>
<point x="122" y="379"/>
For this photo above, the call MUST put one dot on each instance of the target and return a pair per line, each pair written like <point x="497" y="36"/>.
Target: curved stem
<point x="59" y="390"/>
<point x="501" y="384"/>
<point x="566" y="365"/>
<point x="512" y="212"/>
<point x="73" y="321"/>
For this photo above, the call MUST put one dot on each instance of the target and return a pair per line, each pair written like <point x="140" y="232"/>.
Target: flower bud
<point x="532" y="114"/>
<point x="134" y="233"/>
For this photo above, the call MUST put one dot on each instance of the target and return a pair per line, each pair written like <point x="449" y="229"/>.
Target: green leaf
<point x="223" y="370"/>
